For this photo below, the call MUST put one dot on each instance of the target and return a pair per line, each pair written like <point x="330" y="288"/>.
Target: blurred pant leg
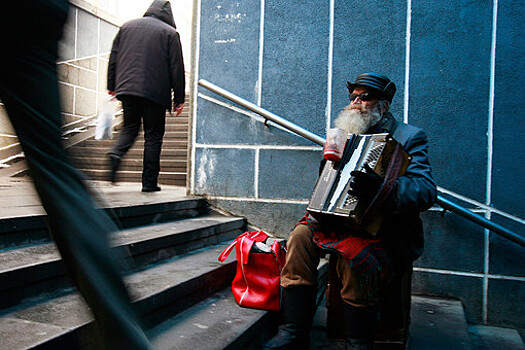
<point x="29" y="90"/>
<point x="132" y="121"/>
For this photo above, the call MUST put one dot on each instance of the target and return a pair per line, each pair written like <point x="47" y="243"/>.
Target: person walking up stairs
<point x="139" y="59"/>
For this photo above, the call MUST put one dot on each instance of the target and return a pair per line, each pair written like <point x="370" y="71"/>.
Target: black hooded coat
<point x="146" y="58"/>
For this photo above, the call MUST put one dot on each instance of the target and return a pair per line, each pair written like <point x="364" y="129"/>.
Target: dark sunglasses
<point x="365" y="96"/>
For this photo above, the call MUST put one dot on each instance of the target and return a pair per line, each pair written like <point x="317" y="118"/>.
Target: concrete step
<point x="135" y="151"/>
<point x="36" y="270"/>
<point x="19" y="230"/>
<point x="218" y="322"/>
<point x="107" y="144"/>
<point x="161" y="291"/>
<point x="134" y="164"/>
<point x="171" y="135"/>
<point x="176" y="126"/>
<point x="182" y="119"/>
<point x="489" y="338"/>
<point x="438" y="324"/>
<point x="166" y="178"/>
<point x="180" y="134"/>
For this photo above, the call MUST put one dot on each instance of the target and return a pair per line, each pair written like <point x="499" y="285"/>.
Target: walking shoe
<point x="151" y="189"/>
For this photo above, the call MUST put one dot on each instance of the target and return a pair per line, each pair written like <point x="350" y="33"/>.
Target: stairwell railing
<point x="72" y="134"/>
<point x="291" y="127"/>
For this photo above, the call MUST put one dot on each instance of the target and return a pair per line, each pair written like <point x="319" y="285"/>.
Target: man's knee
<point x="301" y="259"/>
<point x="300" y="236"/>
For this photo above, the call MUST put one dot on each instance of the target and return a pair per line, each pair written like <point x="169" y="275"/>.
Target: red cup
<point x="335" y="144"/>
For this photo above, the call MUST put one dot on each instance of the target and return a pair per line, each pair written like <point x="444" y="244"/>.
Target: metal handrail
<point x="263" y="112"/>
<point x="442" y="202"/>
<point x="480" y="220"/>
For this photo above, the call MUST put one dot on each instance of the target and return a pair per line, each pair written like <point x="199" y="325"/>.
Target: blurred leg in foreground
<point x="29" y="32"/>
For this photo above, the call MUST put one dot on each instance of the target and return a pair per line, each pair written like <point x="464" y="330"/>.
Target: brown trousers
<point x="302" y="260"/>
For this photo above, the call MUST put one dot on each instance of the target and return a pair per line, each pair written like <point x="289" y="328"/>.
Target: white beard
<point x="355" y="119"/>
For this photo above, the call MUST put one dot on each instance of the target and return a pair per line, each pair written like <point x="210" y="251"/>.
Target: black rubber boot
<point x="297" y="312"/>
<point x="114" y="163"/>
<point x="361" y="326"/>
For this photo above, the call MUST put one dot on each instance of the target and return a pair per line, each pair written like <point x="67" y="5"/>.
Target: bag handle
<point x="227" y="251"/>
<point x="255" y="236"/>
<point x="246" y="245"/>
<point x="276" y="249"/>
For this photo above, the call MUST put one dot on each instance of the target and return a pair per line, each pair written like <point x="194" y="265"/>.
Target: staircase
<point x="180" y="289"/>
<point x="173" y="244"/>
<point x="90" y="156"/>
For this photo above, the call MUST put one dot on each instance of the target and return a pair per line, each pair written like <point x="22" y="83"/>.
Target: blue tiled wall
<point x="368" y="36"/>
<point x="509" y="112"/>
<point x="230" y="40"/>
<point x="295" y="69"/>
<point x="228" y="172"/>
<point x="287" y="173"/>
<point x="449" y="84"/>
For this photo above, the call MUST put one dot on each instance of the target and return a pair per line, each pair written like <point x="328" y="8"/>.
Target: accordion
<point x="330" y="199"/>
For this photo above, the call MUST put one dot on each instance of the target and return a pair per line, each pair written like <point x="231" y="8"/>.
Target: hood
<point x="161" y="9"/>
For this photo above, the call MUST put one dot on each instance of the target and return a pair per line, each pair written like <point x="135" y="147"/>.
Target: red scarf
<point x="365" y="255"/>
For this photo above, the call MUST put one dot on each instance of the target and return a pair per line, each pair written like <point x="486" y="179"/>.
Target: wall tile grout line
<point x="260" y="200"/>
<point x="256" y="173"/>
<point x="406" y="97"/>
<point x="255" y="147"/>
<point x="328" y="111"/>
<point x="481" y="275"/>
<point x="71" y="61"/>
<point x="490" y="135"/>
<point x="261" y="54"/>
<point x="196" y="61"/>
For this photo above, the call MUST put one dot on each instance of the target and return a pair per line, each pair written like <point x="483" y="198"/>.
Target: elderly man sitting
<point x="388" y="257"/>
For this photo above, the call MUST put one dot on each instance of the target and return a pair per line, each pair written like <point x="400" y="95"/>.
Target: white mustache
<point x="357" y="119"/>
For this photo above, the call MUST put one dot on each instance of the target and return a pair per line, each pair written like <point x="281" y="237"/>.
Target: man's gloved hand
<point x="365" y="185"/>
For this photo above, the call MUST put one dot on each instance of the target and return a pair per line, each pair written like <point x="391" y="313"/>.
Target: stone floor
<point x="19" y="198"/>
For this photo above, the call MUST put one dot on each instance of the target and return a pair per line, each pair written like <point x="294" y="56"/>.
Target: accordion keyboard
<point x="371" y="158"/>
<point x="374" y="154"/>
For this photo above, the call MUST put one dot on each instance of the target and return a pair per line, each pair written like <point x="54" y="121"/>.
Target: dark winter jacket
<point x="414" y="192"/>
<point x="146" y="58"/>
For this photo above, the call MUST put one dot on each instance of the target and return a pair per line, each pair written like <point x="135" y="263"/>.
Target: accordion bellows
<point x="330" y="196"/>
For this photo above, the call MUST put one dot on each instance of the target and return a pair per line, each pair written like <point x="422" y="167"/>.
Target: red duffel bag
<point x="256" y="282"/>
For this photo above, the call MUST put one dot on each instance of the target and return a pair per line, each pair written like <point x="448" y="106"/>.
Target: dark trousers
<point x="29" y="90"/>
<point x="153" y="117"/>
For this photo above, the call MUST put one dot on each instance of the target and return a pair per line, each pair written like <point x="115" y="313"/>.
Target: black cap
<point x="376" y="81"/>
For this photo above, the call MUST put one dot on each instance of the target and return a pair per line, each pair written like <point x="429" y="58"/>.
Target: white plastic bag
<point x="104" y="129"/>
